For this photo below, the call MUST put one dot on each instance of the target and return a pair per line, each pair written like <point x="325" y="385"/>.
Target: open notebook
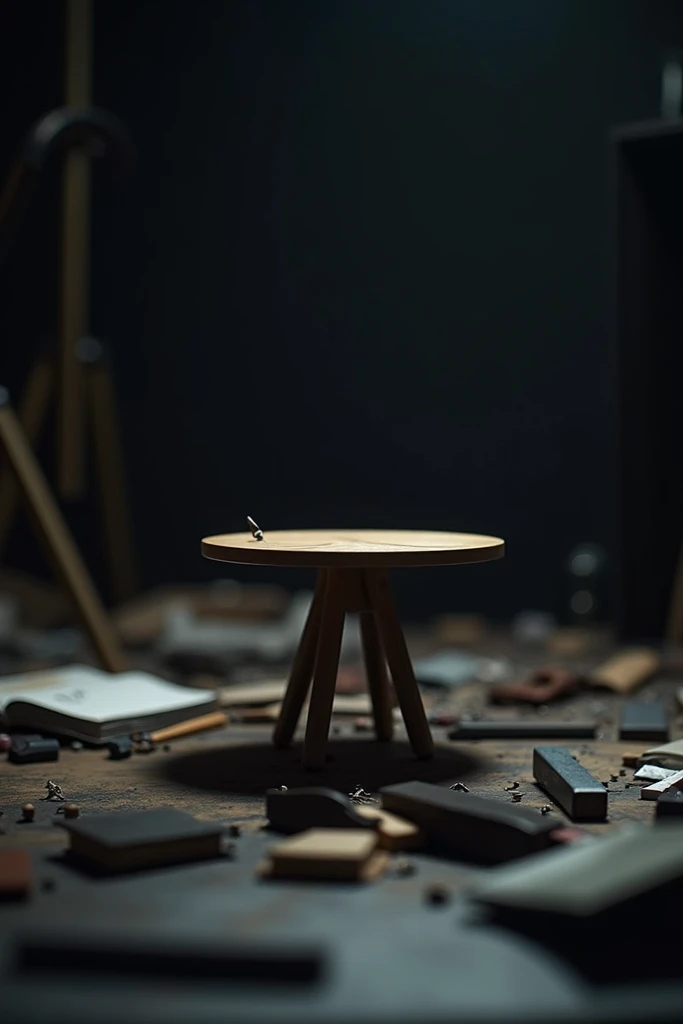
<point x="91" y="705"/>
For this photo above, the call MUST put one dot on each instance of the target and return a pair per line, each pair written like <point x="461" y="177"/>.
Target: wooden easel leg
<point x="58" y="540"/>
<point x="400" y="665"/>
<point x="301" y="672"/>
<point x="326" y="667"/>
<point x="115" y="511"/>
<point x="378" y="680"/>
<point x="31" y="416"/>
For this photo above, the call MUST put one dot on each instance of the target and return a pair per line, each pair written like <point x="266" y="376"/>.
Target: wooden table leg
<point x="378" y="680"/>
<point x="326" y="667"/>
<point x="400" y="665"/>
<point x="301" y="672"/>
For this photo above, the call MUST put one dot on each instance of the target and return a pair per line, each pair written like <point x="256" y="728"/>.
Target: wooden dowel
<point x="31" y="416"/>
<point x="325" y="675"/>
<point x="214" y="720"/>
<point x="378" y="680"/>
<point x="59" y="542"/>
<point x="301" y="672"/>
<point x="400" y="664"/>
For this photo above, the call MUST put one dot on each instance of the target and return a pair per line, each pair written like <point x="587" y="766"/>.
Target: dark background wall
<point x="360" y="275"/>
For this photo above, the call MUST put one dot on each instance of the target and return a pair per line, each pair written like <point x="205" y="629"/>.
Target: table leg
<point x="325" y="677"/>
<point x="400" y="665"/>
<point x="378" y="680"/>
<point x="301" y="671"/>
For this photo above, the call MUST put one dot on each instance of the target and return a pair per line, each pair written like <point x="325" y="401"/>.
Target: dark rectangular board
<point x="522" y="730"/>
<point x="569" y="784"/>
<point x="488" y="831"/>
<point x="644" y="720"/>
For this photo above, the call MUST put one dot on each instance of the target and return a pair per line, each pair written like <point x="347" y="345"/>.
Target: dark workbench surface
<point x="391" y="956"/>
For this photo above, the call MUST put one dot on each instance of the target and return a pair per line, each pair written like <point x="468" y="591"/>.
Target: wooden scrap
<point x="215" y="720"/>
<point x="592" y="878"/>
<point x="669" y="805"/>
<point x="569" y="784"/>
<point x="459" y="629"/>
<point x="654" y="791"/>
<point x="644" y="720"/>
<point x="544" y="686"/>
<point x="348" y="855"/>
<point x="16" y="874"/>
<point x="652" y="773"/>
<point x="630" y="760"/>
<point x="140" y="839"/>
<point x="521" y="729"/>
<point x="488" y="831"/>
<point x="297" y="810"/>
<point x="669" y="755"/>
<point x="395" y="833"/>
<point x="627" y="669"/>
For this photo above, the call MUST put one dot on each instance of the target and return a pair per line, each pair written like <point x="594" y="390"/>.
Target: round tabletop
<point x="354" y="549"/>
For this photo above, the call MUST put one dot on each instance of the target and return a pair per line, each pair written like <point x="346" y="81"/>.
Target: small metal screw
<point x="256" y="531"/>
<point x="71" y="810"/>
<point x="437" y="895"/>
<point x="513" y="785"/>
<point x="29" y="812"/>
<point x="53" y="790"/>
<point x="622" y="771"/>
<point x="613" y="778"/>
<point x="546" y="809"/>
<point x="516" y="797"/>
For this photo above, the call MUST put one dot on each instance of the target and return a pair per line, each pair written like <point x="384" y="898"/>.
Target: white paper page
<point x="94" y="696"/>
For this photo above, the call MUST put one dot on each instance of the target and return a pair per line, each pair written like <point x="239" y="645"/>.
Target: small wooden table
<point x="352" y="577"/>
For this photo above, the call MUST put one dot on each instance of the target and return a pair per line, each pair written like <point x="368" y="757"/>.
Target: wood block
<point x="569" y="784"/>
<point x="395" y="833"/>
<point x="488" y="831"/>
<point x="669" y="755"/>
<point x="16" y="874"/>
<point x="654" y="791"/>
<point x="670" y="805"/>
<point x="297" y="810"/>
<point x="526" y="729"/>
<point x="325" y="853"/>
<point x="593" y="877"/>
<point x="627" y="669"/>
<point x="644" y="720"/>
<point x="121" y="842"/>
<point x="652" y="773"/>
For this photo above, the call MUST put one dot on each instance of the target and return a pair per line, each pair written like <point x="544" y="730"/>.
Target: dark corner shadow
<point x="255" y="767"/>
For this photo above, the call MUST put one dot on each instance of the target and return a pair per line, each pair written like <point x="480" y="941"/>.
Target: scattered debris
<point x="404" y="867"/>
<point x="654" y="791"/>
<point x="622" y="771"/>
<point x="630" y="760"/>
<point x="33" y="749"/>
<point x="76" y="745"/>
<point x="652" y="773"/>
<point x="546" y="809"/>
<point x="28" y="812"/>
<point x="437" y="895"/>
<point x="460" y="787"/>
<point x="53" y="791"/>
<point x="361" y="796"/>
<point x="545" y="685"/>
<point x="235" y="830"/>
<point x="513" y="785"/>
<point x="71" y="810"/>
<point x="516" y="797"/>
<point x="119" y="748"/>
